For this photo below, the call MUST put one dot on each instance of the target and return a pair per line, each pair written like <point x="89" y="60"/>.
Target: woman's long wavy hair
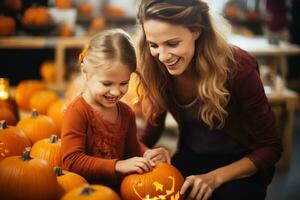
<point x="212" y="62"/>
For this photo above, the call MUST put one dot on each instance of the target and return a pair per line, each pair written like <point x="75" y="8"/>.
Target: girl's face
<point x="172" y="45"/>
<point x="106" y="86"/>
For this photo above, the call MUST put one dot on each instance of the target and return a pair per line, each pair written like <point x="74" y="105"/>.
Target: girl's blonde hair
<point x="108" y="47"/>
<point x="212" y="62"/>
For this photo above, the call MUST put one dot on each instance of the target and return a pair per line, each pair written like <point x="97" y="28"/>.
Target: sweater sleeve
<point x="260" y="120"/>
<point x="152" y="132"/>
<point x="74" y="138"/>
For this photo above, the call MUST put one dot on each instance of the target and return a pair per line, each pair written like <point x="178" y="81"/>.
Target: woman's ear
<point x="196" y="34"/>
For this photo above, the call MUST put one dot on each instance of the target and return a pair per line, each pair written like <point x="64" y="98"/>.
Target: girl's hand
<point x="134" y="165"/>
<point x="200" y="187"/>
<point x="158" y="155"/>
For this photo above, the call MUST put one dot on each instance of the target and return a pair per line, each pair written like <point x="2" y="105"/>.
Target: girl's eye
<point x="125" y="83"/>
<point x="106" y="84"/>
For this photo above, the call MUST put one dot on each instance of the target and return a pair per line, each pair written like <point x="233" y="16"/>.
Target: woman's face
<point x="172" y="45"/>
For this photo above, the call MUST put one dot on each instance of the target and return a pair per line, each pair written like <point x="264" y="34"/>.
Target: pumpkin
<point x="91" y="192"/>
<point x="114" y="11"/>
<point x="66" y="30"/>
<point x="27" y="178"/>
<point x="37" y="15"/>
<point x="24" y="90"/>
<point x="13" y="5"/>
<point x="37" y="127"/>
<point x="56" y="112"/>
<point x="7" y="115"/>
<point x="67" y="180"/>
<point x="41" y="100"/>
<point x="163" y="182"/>
<point x="85" y="9"/>
<point x="48" y="149"/>
<point x="63" y="4"/>
<point x="48" y="71"/>
<point x="7" y="26"/>
<point x="96" y="25"/>
<point x="12" y="140"/>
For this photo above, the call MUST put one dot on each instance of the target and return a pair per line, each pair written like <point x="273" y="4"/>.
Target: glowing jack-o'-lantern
<point x="162" y="183"/>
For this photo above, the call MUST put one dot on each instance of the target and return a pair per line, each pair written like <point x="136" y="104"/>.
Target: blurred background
<point x="40" y="40"/>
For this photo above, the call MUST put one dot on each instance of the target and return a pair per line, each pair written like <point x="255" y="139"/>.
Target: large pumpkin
<point x="56" y="112"/>
<point x="48" y="149"/>
<point x="27" y="178"/>
<point x="12" y="140"/>
<point x="7" y="26"/>
<point x="25" y="89"/>
<point x="41" y="100"/>
<point x="37" y="127"/>
<point x="163" y="182"/>
<point x="67" y="180"/>
<point x="91" y="192"/>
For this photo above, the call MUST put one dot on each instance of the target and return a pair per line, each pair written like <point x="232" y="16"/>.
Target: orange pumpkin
<point x="163" y="182"/>
<point x="48" y="71"/>
<point x="27" y="178"/>
<point x="114" y="11"/>
<point x="63" y="4"/>
<point x="7" y="26"/>
<point x="67" y="180"/>
<point x="56" y="112"/>
<point x="12" y="140"/>
<point x="85" y="9"/>
<point x="96" y="25"/>
<point x="41" y="100"/>
<point x="37" y="15"/>
<point x="48" y="149"/>
<point x="37" y="127"/>
<point x="7" y="115"/>
<point x="24" y="90"/>
<point x="91" y="192"/>
<point x="66" y="30"/>
<point x="13" y="5"/>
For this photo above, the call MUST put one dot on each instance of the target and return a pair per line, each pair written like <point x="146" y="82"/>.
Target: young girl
<point x="99" y="138"/>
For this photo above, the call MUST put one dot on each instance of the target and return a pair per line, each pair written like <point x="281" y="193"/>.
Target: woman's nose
<point x="163" y="55"/>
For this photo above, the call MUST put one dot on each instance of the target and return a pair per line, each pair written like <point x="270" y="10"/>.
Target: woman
<point x="227" y="139"/>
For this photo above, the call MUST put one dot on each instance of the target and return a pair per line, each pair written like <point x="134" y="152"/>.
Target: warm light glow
<point x="4" y="89"/>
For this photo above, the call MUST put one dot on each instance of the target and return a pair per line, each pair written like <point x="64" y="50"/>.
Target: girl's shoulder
<point x="125" y="108"/>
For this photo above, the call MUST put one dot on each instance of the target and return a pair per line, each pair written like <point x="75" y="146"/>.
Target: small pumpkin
<point x="37" y="15"/>
<point x="24" y="90"/>
<point x="37" y="127"/>
<point x="91" y="192"/>
<point x="48" y="149"/>
<point x="27" y="178"/>
<point x="7" y="115"/>
<point x="163" y="182"/>
<point x="63" y="4"/>
<point x="42" y="99"/>
<point x="7" y="26"/>
<point x="13" y="5"/>
<point x="56" y="112"/>
<point x="67" y="180"/>
<point x="12" y="140"/>
<point x="85" y="9"/>
<point x="48" y="71"/>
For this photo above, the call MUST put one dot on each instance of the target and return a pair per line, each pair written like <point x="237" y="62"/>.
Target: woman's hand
<point x="134" y="165"/>
<point x="158" y="155"/>
<point x="200" y="187"/>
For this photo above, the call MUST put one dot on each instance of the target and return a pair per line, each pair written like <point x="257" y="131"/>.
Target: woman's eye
<point x="152" y="45"/>
<point x="173" y="44"/>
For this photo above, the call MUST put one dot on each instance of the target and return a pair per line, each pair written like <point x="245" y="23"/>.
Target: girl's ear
<point x="84" y="73"/>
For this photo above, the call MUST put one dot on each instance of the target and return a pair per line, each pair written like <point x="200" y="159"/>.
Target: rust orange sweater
<point x="91" y="145"/>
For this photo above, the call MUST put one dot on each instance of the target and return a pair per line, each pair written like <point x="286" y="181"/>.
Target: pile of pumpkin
<point x="31" y="160"/>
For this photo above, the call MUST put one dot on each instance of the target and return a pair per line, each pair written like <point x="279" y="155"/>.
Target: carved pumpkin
<point x="67" y="180"/>
<point x="41" y="100"/>
<point x="27" y="178"/>
<point x="7" y="26"/>
<point x="7" y="115"/>
<point x="89" y="192"/>
<point x="37" y="127"/>
<point x="37" y="15"/>
<point x="12" y="140"/>
<point x="163" y="182"/>
<point x="48" y="149"/>
<point x="48" y="71"/>
<point x="56" y="112"/>
<point x="25" y="89"/>
<point x="63" y="4"/>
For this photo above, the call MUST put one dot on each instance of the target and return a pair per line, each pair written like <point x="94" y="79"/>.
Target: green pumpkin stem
<point x="3" y="124"/>
<point x="58" y="171"/>
<point x="53" y="139"/>
<point x="34" y="113"/>
<point x="26" y="154"/>
<point x="87" y="190"/>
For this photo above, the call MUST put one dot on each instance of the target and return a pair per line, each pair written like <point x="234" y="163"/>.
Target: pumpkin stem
<point x="3" y="124"/>
<point x="53" y="139"/>
<point x="34" y="113"/>
<point x="86" y="190"/>
<point x="26" y="154"/>
<point x="58" y="171"/>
